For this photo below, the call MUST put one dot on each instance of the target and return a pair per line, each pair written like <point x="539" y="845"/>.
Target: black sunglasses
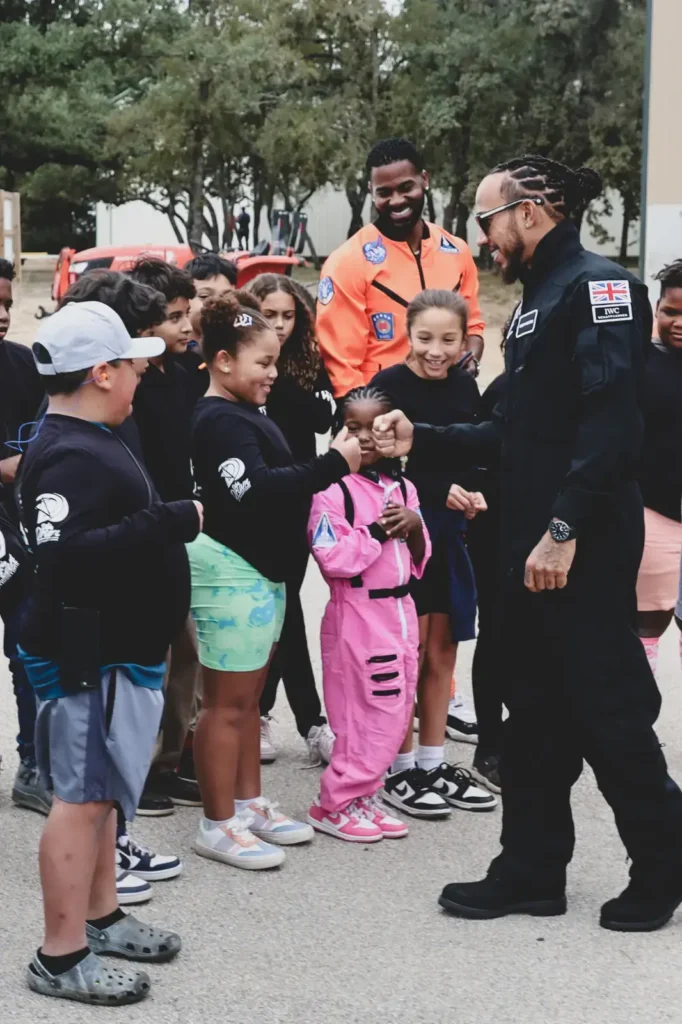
<point x="483" y="219"/>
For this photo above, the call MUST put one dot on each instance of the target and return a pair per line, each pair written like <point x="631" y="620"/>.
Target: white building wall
<point x="328" y="219"/>
<point x="663" y="242"/>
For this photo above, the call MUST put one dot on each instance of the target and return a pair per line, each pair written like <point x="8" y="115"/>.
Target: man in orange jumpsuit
<point x="367" y="282"/>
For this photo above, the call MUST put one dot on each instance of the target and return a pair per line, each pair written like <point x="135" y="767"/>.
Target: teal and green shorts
<point x="238" y="613"/>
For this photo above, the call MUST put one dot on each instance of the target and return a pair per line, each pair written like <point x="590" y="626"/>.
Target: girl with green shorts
<point x="256" y="501"/>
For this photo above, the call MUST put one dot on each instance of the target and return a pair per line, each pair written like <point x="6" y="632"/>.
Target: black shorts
<point x="432" y="592"/>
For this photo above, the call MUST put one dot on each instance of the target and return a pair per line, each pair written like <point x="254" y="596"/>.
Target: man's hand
<point x="8" y="469"/>
<point x="549" y="564"/>
<point x="399" y="520"/>
<point x="393" y="434"/>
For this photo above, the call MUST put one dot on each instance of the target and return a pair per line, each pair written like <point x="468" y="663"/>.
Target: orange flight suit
<point x="365" y="288"/>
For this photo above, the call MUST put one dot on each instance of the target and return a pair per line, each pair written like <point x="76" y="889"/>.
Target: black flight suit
<point x="578" y="685"/>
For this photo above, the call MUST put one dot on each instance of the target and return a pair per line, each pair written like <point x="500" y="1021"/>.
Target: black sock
<point x="106" y="922"/>
<point x="61" y="964"/>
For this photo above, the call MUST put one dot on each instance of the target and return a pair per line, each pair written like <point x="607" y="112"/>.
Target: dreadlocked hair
<point x="365" y="393"/>
<point x="391" y="151"/>
<point x="670" y="276"/>
<point x="228" y="323"/>
<point x="300" y="357"/>
<point x="564" y="191"/>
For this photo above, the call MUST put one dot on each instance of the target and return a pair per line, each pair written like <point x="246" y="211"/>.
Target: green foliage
<point x="189" y="104"/>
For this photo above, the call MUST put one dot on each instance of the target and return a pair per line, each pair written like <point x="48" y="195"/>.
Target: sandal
<point x="133" y="940"/>
<point x="90" y="981"/>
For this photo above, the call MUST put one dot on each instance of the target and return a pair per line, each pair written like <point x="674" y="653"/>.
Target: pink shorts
<point x="659" y="573"/>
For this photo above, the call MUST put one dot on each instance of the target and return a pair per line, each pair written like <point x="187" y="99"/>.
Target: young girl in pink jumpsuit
<point x="368" y="538"/>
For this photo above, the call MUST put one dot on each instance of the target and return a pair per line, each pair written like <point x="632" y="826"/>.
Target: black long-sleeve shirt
<point x="255" y="496"/>
<point x="21" y="392"/>
<point x="101" y="540"/>
<point x="301" y="414"/>
<point x="660" y="464"/>
<point x="162" y="410"/>
<point x="570" y="423"/>
<point x="455" y="399"/>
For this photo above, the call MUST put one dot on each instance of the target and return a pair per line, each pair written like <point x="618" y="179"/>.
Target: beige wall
<point x="664" y="169"/>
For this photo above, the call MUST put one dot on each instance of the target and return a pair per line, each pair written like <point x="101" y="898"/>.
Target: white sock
<point x="241" y="805"/>
<point x="209" y="823"/>
<point x="403" y="763"/>
<point x="430" y="757"/>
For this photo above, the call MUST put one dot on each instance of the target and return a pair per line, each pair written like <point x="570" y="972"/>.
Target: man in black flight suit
<point x="578" y="685"/>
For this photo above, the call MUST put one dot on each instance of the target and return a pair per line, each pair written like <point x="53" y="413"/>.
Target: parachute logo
<point x="51" y="508"/>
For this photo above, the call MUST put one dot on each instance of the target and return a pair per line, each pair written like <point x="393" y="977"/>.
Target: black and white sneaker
<point x="461" y="724"/>
<point x="456" y="786"/>
<point x="141" y="862"/>
<point x="410" y="792"/>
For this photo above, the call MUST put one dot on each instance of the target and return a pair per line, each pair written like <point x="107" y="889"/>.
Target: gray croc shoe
<point x="133" y="940"/>
<point x="90" y="981"/>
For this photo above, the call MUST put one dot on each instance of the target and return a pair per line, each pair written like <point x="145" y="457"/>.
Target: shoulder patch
<point x="374" y="252"/>
<point x="447" y="246"/>
<point x="325" y="291"/>
<point x="609" y="293"/>
<point x="384" y="326"/>
<point x="232" y="471"/>
<point x="324" y="536"/>
<point x="526" y="322"/>
<point x="612" y="314"/>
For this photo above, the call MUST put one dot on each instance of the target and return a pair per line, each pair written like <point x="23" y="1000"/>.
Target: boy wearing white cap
<point x="111" y="590"/>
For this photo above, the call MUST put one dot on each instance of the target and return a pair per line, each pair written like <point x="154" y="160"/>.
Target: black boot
<point x="493" y="897"/>
<point x="645" y="906"/>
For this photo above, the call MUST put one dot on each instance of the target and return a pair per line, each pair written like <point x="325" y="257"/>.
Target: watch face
<point x="560" y="531"/>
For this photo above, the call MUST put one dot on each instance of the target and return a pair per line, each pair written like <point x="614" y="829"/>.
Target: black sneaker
<point x="494" y="898"/>
<point x="456" y="785"/>
<point x="645" y="906"/>
<point x="179" y="791"/>
<point x="409" y="792"/>
<point x="486" y="770"/>
<point x="153" y="804"/>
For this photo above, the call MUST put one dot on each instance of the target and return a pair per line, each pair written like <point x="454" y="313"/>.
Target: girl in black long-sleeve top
<point x="302" y="406"/>
<point x="255" y="510"/>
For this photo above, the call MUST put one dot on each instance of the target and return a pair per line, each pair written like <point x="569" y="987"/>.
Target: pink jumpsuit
<point x="369" y="641"/>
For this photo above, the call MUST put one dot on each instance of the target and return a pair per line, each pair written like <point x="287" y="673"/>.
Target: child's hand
<point x="349" y="447"/>
<point x="480" y="505"/>
<point x="460" y="500"/>
<point x="399" y="521"/>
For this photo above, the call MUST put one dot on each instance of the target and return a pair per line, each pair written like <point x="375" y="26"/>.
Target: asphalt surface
<point x="353" y="935"/>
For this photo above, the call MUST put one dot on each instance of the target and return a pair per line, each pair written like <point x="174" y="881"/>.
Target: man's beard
<point x="514" y="261"/>
<point x="399" y="232"/>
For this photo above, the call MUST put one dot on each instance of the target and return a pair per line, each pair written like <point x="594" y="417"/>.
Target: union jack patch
<point x="609" y="293"/>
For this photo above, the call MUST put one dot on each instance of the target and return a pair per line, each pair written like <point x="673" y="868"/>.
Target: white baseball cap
<point x="82" y="334"/>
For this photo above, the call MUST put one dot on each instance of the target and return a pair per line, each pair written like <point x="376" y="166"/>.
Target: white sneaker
<point x="130" y="889"/>
<point x="264" y="819"/>
<point x="232" y="843"/>
<point x="320" y="742"/>
<point x="139" y="861"/>
<point x="461" y="724"/>
<point x="268" y="750"/>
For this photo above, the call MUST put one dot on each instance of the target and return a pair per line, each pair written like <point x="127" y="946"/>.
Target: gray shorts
<point x="97" y="745"/>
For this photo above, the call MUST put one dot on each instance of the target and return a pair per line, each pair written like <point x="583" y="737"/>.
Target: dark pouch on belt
<point x="79" y="664"/>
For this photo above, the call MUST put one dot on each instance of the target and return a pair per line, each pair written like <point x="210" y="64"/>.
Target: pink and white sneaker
<point x="350" y="824"/>
<point x="377" y="812"/>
